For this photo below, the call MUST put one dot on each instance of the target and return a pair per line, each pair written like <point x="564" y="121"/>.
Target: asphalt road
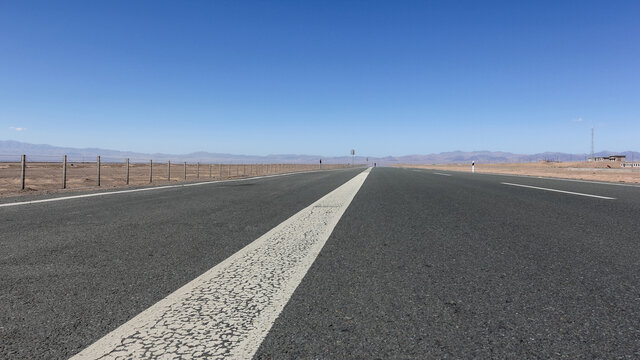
<point x="73" y="270"/>
<point x="432" y="266"/>
<point x="421" y="265"/>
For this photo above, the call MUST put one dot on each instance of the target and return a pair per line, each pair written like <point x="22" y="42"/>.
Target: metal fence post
<point x="98" y="166"/>
<point x="127" y="180"/>
<point x="229" y="170"/>
<point x="198" y="170"/>
<point x="64" y="171"/>
<point x="169" y="170"/>
<point x="23" y="166"/>
<point x="150" y="171"/>
<point x="185" y="170"/>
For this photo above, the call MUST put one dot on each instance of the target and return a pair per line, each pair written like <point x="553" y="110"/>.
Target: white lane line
<point x="151" y="188"/>
<point x="227" y="311"/>
<point x="560" y="191"/>
<point x="552" y="178"/>
<point x="576" y="180"/>
<point x="434" y="173"/>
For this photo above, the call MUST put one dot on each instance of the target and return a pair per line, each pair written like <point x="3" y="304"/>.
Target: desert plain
<point x="46" y="177"/>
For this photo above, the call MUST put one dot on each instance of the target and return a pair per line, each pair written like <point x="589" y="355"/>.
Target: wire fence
<point x="51" y="173"/>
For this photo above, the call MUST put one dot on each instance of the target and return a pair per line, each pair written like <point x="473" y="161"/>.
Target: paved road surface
<point x="423" y="264"/>
<point x="73" y="270"/>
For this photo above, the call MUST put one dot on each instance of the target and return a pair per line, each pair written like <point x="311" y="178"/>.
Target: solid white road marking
<point x="560" y="191"/>
<point x="151" y="188"/>
<point x="442" y="174"/>
<point x="227" y="311"/>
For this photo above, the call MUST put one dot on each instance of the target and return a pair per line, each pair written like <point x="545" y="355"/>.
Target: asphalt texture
<point x="427" y="266"/>
<point x="420" y="266"/>
<point x="74" y="270"/>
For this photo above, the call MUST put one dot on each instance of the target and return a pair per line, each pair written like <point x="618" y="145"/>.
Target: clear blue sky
<point x="265" y="77"/>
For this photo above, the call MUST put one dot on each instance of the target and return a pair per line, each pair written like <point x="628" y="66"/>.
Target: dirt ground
<point x="600" y="171"/>
<point x="45" y="177"/>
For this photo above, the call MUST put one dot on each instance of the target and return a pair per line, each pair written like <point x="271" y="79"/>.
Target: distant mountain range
<point x="11" y="150"/>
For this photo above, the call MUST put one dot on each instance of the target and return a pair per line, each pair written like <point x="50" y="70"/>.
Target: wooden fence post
<point x="210" y="173"/>
<point x="64" y="171"/>
<point x="185" y="170"/>
<point x="98" y="166"/>
<point x="127" y="179"/>
<point x="23" y="166"/>
<point x="169" y="170"/>
<point x="198" y="170"/>
<point x="150" y="171"/>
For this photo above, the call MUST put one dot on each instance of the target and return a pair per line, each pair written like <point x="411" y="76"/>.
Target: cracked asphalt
<point x="420" y="266"/>
<point x="74" y="270"/>
<point x="424" y="266"/>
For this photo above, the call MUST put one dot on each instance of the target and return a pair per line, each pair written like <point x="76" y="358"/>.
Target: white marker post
<point x="473" y="166"/>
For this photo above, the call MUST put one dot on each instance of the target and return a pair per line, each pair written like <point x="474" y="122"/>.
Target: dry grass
<point x="600" y="171"/>
<point x="47" y="177"/>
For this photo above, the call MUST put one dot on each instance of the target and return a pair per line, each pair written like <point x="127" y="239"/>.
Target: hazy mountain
<point x="11" y="151"/>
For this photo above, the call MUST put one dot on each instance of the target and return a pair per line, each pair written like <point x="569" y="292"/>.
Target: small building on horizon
<point x="619" y="158"/>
